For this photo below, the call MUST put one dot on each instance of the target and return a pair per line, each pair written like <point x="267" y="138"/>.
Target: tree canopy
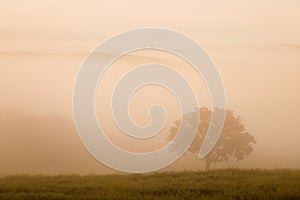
<point x="234" y="142"/>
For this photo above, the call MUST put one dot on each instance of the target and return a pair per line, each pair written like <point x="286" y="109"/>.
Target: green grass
<point x="216" y="184"/>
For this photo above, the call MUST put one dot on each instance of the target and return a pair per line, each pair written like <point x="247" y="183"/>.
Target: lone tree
<point x="234" y="142"/>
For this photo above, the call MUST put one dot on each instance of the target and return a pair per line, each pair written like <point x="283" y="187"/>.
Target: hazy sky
<point x="255" y="45"/>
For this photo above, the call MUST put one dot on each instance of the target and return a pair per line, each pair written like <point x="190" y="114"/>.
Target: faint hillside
<point x="38" y="144"/>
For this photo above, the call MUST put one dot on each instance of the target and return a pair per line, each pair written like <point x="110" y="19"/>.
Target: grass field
<point x="216" y="184"/>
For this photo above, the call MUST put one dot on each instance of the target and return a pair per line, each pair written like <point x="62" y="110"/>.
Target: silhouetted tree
<point x="234" y="141"/>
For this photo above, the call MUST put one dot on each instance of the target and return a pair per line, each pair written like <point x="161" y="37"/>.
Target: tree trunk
<point x="207" y="164"/>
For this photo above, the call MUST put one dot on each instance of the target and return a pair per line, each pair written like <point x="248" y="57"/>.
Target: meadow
<point x="214" y="184"/>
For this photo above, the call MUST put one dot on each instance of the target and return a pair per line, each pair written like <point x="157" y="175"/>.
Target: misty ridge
<point x="32" y="143"/>
<point x="50" y="144"/>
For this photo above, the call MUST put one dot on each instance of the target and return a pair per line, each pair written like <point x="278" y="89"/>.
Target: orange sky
<point x="255" y="45"/>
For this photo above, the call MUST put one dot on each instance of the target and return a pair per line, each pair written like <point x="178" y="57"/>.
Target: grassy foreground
<point x="217" y="184"/>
